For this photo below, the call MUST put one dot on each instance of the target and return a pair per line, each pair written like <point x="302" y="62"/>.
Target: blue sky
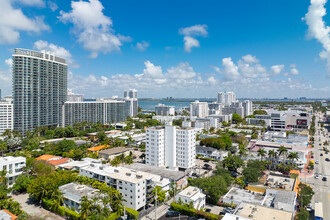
<point x="176" y="48"/>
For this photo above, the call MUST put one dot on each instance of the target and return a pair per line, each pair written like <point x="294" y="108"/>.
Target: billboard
<point x="301" y="122"/>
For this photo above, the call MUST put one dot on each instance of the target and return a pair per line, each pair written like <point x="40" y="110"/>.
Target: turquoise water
<point x="150" y="105"/>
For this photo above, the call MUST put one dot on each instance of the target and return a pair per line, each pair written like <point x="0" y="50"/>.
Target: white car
<point x="316" y="176"/>
<point x="317" y="162"/>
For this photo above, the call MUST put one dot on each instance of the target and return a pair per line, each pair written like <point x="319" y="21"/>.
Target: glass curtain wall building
<point x="39" y="89"/>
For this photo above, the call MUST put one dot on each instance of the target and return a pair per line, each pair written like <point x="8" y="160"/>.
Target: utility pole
<point x="156" y="205"/>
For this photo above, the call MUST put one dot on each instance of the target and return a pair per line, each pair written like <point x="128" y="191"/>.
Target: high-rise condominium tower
<point x="39" y="89"/>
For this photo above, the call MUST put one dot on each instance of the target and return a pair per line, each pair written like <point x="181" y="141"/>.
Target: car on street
<point x="324" y="178"/>
<point x="316" y="176"/>
<point x="207" y="210"/>
<point x="172" y="214"/>
<point x="327" y="159"/>
<point x="196" y="175"/>
<point x="317" y="161"/>
<point x="321" y="155"/>
<point x="309" y="207"/>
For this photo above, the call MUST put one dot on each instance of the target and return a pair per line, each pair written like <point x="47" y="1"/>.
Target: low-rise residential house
<point x="77" y="165"/>
<point x="257" y="212"/>
<point x="97" y="148"/>
<point x="73" y="192"/>
<point x="14" y="167"/>
<point x="192" y="195"/>
<point x="212" y="153"/>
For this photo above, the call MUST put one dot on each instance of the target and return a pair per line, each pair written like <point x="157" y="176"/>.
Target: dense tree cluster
<point x="222" y="143"/>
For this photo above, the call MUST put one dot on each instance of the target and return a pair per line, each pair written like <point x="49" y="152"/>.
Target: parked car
<point x="324" y="178"/>
<point x="316" y="176"/>
<point x="207" y="210"/>
<point x="326" y="152"/>
<point x="321" y="154"/>
<point x="327" y="159"/>
<point x="172" y="213"/>
<point x="196" y="175"/>
<point x="309" y="207"/>
<point x="317" y="161"/>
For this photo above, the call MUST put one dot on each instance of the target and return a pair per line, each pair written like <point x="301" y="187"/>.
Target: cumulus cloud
<point x="190" y="34"/>
<point x="317" y="28"/>
<point x="248" y="67"/>
<point x="181" y="71"/>
<point x="57" y="50"/>
<point x="93" y="29"/>
<point x="142" y="46"/>
<point x="12" y="21"/>
<point x="38" y="3"/>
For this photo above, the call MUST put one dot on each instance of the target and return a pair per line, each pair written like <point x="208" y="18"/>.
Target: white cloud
<point x="52" y="5"/>
<point x="230" y="70"/>
<point x="318" y="29"/>
<point x="250" y="59"/>
<point x="38" y="3"/>
<point x="9" y="62"/>
<point x="152" y="71"/>
<point x="294" y="71"/>
<point x="189" y="36"/>
<point x="92" y="27"/>
<point x="277" y="69"/>
<point x="142" y="46"/>
<point x="181" y="71"/>
<point x="57" y="50"/>
<point x="212" y="80"/>
<point x="190" y="42"/>
<point x="12" y="21"/>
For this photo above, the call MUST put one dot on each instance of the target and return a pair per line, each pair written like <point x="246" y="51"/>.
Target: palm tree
<point x="261" y="152"/>
<point x="3" y="147"/>
<point x="85" y="207"/>
<point x="7" y="133"/>
<point x="242" y="150"/>
<point x="271" y="154"/>
<point x="115" y="162"/>
<point x="282" y="151"/>
<point x="117" y="204"/>
<point x="293" y="156"/>
<point x="122" y="158"/>
<point x="58" y="199"/>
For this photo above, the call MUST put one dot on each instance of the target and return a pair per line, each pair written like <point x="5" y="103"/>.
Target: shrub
<point x="193" y="212"/>
<point x="132" y="213"/>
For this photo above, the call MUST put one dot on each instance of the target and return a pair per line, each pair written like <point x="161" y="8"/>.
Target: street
<point x="320" y="187"/>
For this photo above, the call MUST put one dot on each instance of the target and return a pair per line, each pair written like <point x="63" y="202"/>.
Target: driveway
<point x="35" y="210"/>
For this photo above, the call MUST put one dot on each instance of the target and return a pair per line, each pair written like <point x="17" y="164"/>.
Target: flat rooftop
<point x="75" y="191"/>
<point x="115" y="150"/>
<point x="192" y="192"/>
<point x="257" y="212"/>
<point x="163" y="172"/>
<point x="237" y="195"/>
<point x="280" y="182"/>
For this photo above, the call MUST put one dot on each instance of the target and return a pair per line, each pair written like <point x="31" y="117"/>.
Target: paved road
<point x="34" y="210"/>
<point x="161" y="211"/>
<point x="321" y="188"/>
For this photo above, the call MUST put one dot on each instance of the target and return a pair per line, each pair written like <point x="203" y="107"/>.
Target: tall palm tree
<point x="271" y="154"/>
<point x="3" y="178"/>
<point x="282" y="151"/>
<point x="117" y="204"/>
<point x="261" y="153"/>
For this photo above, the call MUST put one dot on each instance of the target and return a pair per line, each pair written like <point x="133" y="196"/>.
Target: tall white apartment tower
<point x="199" y="109"/>
<point x="247" y="104"/>
<point x="171" y="147"/>
<point x="222" y="98"/>
<point x="131" y="93"/>
<point x="226" y="98"/>
<point x="6" y="116"/>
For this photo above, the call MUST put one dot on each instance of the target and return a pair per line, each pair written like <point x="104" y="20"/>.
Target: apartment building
<point x="170" y="147"/>
<point x="135" y="186"/>
<point x="6" y="116"/>
<point x="14" y="167"/>
<point x="194" y="195"/>
<point x="289" y="120"/>
<point x="72" y="97"/>
<point x="99" y="111"/>
<point x="162" y="109"/>
<point x="199" y="109"/>
<point x="39" y="89"/>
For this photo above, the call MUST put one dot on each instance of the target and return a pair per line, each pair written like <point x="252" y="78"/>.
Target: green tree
<point x="21" y="183"/>
<point x="262" y="153"/>
<point x="177" y="122"/>
<point x="259" y="112"/>
<point x="69" y="131"/>
<point x="161" y="194"/>
<point x="59" y="132"/>
<point x="243" y="151"/>
<point x="3" y="147"/>
<point x="237" y="118"/>
<point x="293" y="156"/>
<point x="305" y="194"/>
<point x="282" y="151"/>
<point x="233" y="162"/>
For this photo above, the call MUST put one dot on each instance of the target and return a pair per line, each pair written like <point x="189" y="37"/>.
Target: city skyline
<point x="183" y="51"/>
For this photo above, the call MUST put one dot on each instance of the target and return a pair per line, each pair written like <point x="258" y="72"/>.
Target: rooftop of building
<point x="48" y="157"/>
<point x="60" y="161"/>
<point x="11" y="158"/>
<point x="39" y="54"/>
<point x="97" y="148"/>
<point x="241" y="195"/>
<point x="204" y="148"/>
<point x="163" y="172"/>
<point x="78" y="142"/>
<point x="192" y="192"/>
<point x="280" y="181"/>
<point x="272" y="144"/>
<point x="229" y="216"/>
<point x="257" y="212"/>
<point x="115" y="150"/>
<point x="6" y="215"/>
<point x="75" y="191"/>
<point x="284" y="196"/>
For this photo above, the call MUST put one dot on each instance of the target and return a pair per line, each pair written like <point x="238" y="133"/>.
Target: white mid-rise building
<point x="199" y="109"/>
<point x="6" y="116"/>
<point x="135" y="186"/>
<point x="72" y="97"/>
<point x="226" y="98"/>
<point x="171" y="147"/>
<point x="162" y="109"/>
<point x="14" y="167"/>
